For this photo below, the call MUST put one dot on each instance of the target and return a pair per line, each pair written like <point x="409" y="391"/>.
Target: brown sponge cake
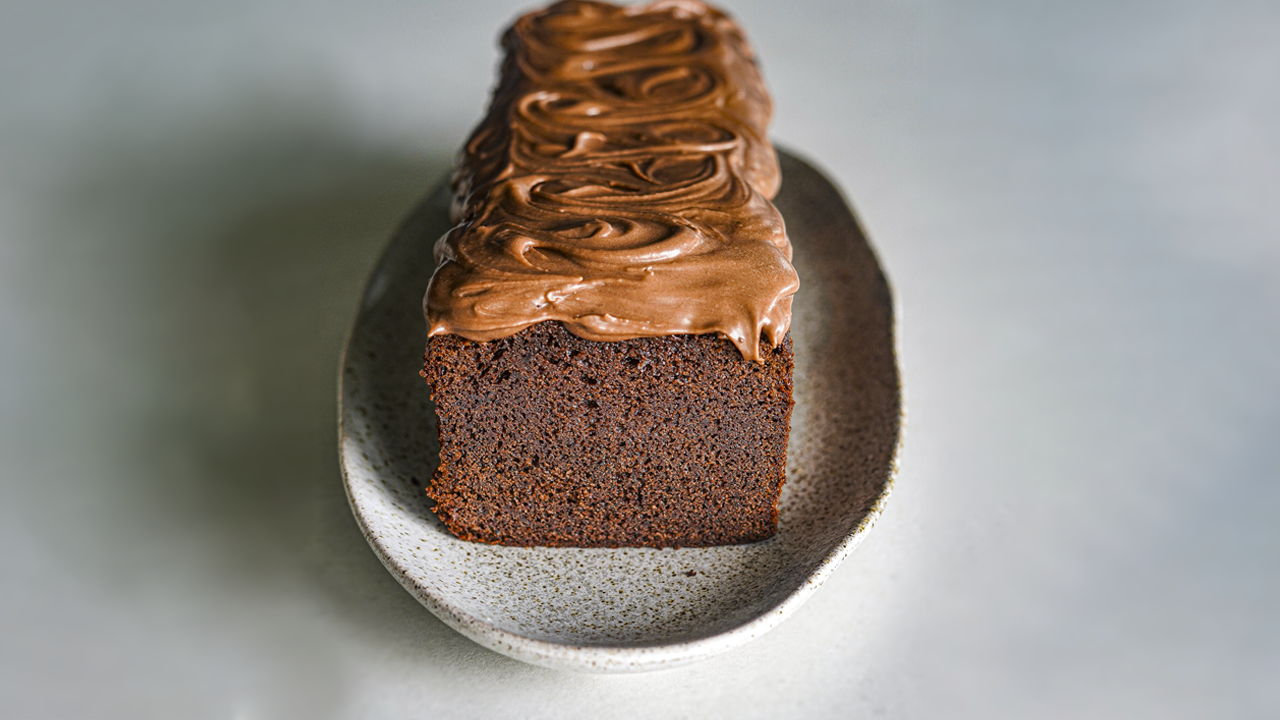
<point x="550" y="439"/>
<point x="608" y="319"/>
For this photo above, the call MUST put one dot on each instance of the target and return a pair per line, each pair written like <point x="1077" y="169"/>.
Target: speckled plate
<point x="635" y="609"/>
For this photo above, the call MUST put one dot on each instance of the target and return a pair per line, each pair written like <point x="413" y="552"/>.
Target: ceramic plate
<point x="636" y="609"/>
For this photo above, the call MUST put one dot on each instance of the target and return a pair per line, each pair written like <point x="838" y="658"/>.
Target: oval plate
<point x="634" y="609"/>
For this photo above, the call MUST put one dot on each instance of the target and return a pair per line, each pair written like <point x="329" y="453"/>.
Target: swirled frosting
<point x="619" y="184"/>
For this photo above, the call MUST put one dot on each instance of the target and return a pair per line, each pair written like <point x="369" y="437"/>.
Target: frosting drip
<point x="620" y="184"/>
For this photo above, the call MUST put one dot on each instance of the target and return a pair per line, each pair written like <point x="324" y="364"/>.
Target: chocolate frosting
<point x="620" y="184"/>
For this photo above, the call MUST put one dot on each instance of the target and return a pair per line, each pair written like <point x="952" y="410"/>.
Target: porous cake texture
<point x="550" y="439"/>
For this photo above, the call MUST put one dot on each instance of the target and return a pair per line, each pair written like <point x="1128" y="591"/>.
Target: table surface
<point x="1075" y="203"/>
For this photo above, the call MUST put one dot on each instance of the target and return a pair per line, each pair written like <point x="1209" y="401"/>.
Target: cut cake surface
<point x="550" y="439"/>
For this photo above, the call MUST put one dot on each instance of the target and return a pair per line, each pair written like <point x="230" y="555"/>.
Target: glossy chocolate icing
<point x="620" y="184"/>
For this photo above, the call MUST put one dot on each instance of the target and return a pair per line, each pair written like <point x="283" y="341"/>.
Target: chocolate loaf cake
<point x="608" y="349"/>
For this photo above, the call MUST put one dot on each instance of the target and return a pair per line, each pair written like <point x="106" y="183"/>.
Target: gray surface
<point x="1074" y="202"/>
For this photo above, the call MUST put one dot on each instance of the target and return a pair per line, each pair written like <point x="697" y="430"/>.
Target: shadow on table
<point x="211" y="260"/>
